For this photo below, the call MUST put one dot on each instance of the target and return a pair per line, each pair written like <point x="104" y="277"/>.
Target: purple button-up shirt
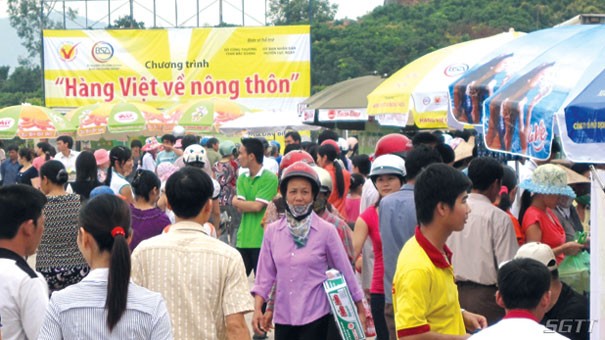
<point x="299" y="273"/>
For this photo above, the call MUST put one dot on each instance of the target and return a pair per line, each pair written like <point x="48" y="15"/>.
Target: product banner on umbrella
<point x="518" y="118"/>
<point x="265" y="67"/>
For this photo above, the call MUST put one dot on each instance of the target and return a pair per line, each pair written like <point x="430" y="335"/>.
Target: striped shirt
<point x="78" y="312"/>
<point x="202" y="279"/>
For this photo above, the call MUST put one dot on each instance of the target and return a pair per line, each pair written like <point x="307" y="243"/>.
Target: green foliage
<point x="293" y="12"/>
<point x="21" y="86"/>
<point x="391" y="36"/>
<point x="28" y="19"/>
<point x="126" y="21"/>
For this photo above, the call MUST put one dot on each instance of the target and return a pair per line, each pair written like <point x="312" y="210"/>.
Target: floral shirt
<point x="226" y="175"/>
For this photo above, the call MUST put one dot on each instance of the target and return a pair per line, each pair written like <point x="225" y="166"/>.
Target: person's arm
<point x="162" y="328"/>
<point x="248" y="206"/>
<point x="534" y="234"/>
<point x="236" y="327"/>
<point x="33" y="297"/>
<point x="473" y="322"/>
<point x="360" y="234"/>
<point x="126" y="192"/>
<point x="51" y="327"/>
<point x="504" y="239"/>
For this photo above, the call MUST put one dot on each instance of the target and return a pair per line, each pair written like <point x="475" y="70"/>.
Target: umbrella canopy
<point x="469" y="91"/>
<point x="420" y="88"/>
<point x="344" y="102"/>
<point x="518" y="118"/>
<point x="582" y="123"/>
<point x="30" y="121"/>
<point x="117" y="120"/>
<point x="266" y="122"/>
<point x="205" y="114"/>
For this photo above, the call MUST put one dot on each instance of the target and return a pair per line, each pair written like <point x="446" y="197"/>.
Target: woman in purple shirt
<point x="147" y="219"/>
<point x="297" y="251"/>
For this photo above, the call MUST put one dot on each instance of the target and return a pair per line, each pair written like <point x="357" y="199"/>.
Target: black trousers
<point x="380" y="323"/>
<point x="480" y="299"/>
<point x="320" y="329"/>
<point x="250" y="257"/>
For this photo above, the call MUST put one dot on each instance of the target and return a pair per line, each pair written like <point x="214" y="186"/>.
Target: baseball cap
<point x="540" y="252"/>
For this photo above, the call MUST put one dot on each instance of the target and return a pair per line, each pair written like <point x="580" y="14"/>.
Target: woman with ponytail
<point x="505" y="200"/>
<point x="59" y="259"/>
<point x="120" y="166"/>
<point x="326" y="156"/>
<point x="106" y="304"/>
<point x="43" y="153"/>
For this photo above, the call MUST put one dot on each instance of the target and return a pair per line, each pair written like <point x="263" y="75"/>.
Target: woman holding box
<point x="297" y="251"/>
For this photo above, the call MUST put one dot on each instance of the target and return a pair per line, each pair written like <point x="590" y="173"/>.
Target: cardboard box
<point x="343" y="306"/>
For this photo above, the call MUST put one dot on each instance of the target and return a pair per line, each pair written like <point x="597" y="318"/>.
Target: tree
<point x="28" y="19"/>
<point x="293" y="12"/>
<point x="126" y="22"/>
<point x="21" y="86"/>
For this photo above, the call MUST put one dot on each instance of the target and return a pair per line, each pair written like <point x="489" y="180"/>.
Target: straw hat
<point x="462" y="148"/>
<point x="573" y="177"/>
<point x="548" y="179"/>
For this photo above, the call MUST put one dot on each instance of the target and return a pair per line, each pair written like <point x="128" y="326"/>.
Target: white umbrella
<point x="266" y="122"/>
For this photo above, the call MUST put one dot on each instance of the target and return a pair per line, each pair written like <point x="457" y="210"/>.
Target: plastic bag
<point x="575" y="271"/>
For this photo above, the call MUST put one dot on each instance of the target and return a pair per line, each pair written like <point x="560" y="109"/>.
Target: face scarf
<point x="299" y="222"/>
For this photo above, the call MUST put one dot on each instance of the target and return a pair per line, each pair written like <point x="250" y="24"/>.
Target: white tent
<point x="266" y="122"/>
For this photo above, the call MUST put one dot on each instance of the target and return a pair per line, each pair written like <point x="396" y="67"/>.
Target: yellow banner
<point x="260" y="67"/>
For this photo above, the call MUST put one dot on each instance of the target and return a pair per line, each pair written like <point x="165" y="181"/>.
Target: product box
<point x="343" y="306"/>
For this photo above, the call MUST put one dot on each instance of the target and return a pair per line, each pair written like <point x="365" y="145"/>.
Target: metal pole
<point x="154" y="14"/>
<point x="86" y="13"/>
<point x="220" y="12"/>
<point x="197" y="15"/>
<point x="108" y="12"/>
<point x="310" y="12"/>
<point x="42" y="50"/>
<point x="176" y="14"/>
<point x="131" y="15"/>
<point x="64" y="23"/>
<point x="243" y="21"/>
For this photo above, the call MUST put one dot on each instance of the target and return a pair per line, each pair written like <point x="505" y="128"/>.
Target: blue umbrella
<point x="527" y="85"/>
<point x="582" y="124"/>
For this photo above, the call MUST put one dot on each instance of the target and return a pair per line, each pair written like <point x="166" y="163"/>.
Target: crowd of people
<point x="158" y="240"/>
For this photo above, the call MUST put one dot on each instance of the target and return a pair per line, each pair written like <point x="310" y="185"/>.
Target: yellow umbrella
<point x="421" y="87"/>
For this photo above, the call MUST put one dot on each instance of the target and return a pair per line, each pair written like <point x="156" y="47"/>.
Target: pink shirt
<point x="39" y="161"/>
<point x="352" y="209"/>
<point x="370" y="217"/>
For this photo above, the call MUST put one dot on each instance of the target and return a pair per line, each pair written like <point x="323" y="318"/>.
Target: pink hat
<point x="151" y="143"/>
<point x="101" y="156"/>
<point x="165" y="170"/>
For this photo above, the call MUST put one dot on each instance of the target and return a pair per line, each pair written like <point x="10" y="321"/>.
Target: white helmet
<point x="324" y="179"/>
<point x="388" y="165"/>
<point x="195" y="153"/>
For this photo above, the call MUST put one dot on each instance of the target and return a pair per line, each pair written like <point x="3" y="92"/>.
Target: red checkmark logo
<point x="68" y="51"/>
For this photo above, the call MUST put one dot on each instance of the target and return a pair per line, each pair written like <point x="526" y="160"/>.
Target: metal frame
<point x="150" y="7"/>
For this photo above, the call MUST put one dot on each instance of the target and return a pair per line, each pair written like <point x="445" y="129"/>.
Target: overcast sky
<point x="186" y="9"/>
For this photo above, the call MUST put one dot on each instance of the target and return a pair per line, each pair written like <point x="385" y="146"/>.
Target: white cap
<point x="540" y="252"/>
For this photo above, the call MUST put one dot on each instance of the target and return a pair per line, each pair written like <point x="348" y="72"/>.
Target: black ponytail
<point x="120" y="154"/>
<point x="46" y="148"/>
<point x="143" y="183"/>
<point x="331" y="153"/>
<point x="526" y="200"/>
<point x="107" y="219"/>
<point x="55" y="172"/>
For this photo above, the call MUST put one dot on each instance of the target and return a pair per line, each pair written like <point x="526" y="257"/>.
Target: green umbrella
<point x="205" y="114"/>
<point x="31" y="121"/>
